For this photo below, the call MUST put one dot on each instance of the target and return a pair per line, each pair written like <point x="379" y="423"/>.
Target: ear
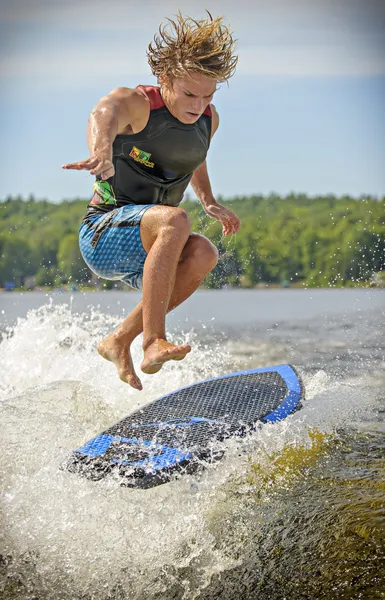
<point x="165" y="81"/>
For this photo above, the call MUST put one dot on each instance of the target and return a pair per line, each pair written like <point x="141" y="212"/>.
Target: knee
<point x="202" y="252"/>
<point x="211" y="256"/>
<point x="177" y="221"/>
<point x="165" y="224"/>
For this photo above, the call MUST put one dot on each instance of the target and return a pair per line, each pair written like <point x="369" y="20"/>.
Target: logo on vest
<point x="141" y="157"/>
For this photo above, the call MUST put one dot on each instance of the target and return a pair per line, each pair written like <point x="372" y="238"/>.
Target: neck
<point x="164" y="96"/>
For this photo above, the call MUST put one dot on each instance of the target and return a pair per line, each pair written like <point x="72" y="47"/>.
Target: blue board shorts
<point x="111" y="245"/>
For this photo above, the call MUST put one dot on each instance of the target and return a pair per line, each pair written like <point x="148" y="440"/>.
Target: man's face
<point x="187" y="97"/>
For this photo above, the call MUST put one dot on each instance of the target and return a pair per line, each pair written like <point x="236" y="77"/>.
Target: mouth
<point x="193" y="115"/>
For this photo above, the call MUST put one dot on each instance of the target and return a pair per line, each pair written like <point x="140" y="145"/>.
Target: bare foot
<point x="120" y="355"/>
<point x="159" y="352"/>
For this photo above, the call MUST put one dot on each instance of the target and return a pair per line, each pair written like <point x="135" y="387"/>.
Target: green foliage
<point x="16" y="257"/>
<point x="319" y="241"/>
<point x="70" y="260"/>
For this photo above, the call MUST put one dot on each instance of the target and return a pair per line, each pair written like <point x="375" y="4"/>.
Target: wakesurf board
<point x="180" y="430"/>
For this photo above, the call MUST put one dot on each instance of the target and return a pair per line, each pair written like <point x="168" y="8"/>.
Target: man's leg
<point x="199" y="256"/>
<point x="164" y="234"/>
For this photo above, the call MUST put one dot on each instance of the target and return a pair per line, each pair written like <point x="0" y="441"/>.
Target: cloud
<point x="313" y="60"/>
<point x="75" y="64"/>
<point x="75" y="41"/>
<point x="116" y="15"/>
<point x="78" y="66"/>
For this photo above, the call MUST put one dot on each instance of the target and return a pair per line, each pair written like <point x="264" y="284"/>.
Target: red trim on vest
<point x="153" y="94"/>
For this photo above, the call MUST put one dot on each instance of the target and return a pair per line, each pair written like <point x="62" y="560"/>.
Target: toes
<point x="132" y="380"/>
<point x="182" y="352"/>
<point x="178" y="351"/>
<point x="135" y="383"/>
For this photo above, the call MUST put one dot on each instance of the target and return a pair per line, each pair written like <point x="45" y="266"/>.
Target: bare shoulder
<point x="130" y="106"/>
<point x="127" y="96"/>
<point x="215" y="119"/>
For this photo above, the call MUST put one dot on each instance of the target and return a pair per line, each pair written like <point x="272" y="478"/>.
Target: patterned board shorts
<point x="111" y="244"/>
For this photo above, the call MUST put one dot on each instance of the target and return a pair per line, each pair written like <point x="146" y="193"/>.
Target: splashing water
<point x="65" y="537"/>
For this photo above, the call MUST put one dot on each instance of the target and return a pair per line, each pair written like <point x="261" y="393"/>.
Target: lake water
<point x="296" y="510"/>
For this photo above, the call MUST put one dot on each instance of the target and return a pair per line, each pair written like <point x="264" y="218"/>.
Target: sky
<point x="305" y="111"/>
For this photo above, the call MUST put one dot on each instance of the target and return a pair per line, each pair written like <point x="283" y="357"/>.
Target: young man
<point x="146" y="145"/>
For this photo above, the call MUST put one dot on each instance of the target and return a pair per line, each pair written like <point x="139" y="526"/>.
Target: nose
<point x="197" y="106"/>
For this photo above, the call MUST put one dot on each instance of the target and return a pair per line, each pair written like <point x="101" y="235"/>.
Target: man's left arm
<point x="200" y="182"/>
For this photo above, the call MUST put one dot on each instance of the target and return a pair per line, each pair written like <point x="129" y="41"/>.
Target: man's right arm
<point x="112" y="115"/>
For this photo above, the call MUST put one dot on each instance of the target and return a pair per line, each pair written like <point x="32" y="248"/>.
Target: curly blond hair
<point x="205" y="46"/>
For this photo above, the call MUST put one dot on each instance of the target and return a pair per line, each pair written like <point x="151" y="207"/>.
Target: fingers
<point x="230" y="221"/>
<point x="94" y="165"/>
<point x="87" y="164"/>
<point x="231" y="225"/>
<point x="106" y="174"/>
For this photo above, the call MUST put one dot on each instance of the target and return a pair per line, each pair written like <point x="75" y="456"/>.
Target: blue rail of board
<point x="160" y="457"/>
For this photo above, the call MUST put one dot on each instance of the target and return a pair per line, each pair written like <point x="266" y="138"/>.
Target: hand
<point x="96" y="165"/>
<point x="224" y="215"/>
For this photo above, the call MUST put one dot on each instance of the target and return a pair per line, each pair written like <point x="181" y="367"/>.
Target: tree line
<point x="319" y="241"/>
